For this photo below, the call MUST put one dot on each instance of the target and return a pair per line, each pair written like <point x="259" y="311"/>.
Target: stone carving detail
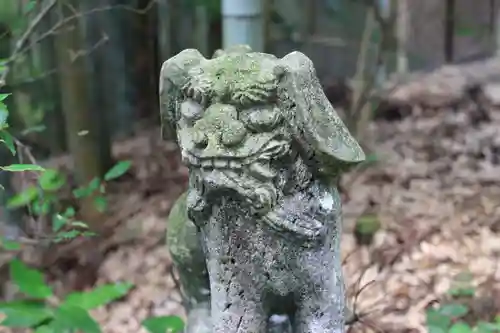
<point x="264" y="148"/>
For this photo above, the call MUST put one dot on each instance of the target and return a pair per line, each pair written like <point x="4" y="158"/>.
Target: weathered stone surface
<point x="264" y="148"/>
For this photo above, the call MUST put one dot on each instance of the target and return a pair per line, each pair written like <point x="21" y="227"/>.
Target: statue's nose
<point x="219" y="128"/>
<point x="233" y="134"/>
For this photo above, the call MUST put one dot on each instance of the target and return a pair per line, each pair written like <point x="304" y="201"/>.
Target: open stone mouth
<point x="251" y="177"/>
<point x="257" y="165"/>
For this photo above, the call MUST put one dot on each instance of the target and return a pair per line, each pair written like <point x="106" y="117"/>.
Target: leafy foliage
<point x="29" y="281"/>
<point x="168" y="324"/>
<point x="450" y="317"/>
<point x="118" y="170"/>
<point x="41" y="311"/>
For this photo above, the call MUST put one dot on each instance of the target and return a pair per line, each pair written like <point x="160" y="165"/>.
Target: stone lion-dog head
<point x="251" y="125"/>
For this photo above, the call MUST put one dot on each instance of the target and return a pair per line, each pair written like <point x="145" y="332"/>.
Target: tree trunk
<point x="449" y="34"/>
<point x="164" y="29"/>
<point x="495" y="16"/>
<point x="50" y="97"/>
<point x="96" y="41"/>
<point x="402" y="36"/>
<point x="117" y="55"/>
<point x="20" y="72"/>
<point x="82" y="134"/>
<point x="355" y="119"/>
<point x="145" y="61"/>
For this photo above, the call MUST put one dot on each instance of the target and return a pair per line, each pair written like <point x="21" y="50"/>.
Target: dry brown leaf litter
<point x="435" y="191"/>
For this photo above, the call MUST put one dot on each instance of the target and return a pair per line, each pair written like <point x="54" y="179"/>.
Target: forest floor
<point x="434" y="190"/>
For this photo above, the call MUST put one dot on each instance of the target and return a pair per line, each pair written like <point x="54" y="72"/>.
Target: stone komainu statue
<point x="258" y="231"/>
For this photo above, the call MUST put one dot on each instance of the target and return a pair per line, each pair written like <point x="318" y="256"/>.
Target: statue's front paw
<point x="304" y="228"/>
<point x="310" y="228"/>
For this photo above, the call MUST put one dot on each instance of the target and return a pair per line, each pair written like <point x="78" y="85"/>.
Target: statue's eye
<point x="196" y="95"/>
<point x="261" y="119"/>
<point x="191" y="110"/>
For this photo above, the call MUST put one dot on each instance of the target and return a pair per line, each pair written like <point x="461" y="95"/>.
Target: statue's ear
<point x="314" y="121"/>
<point x="173" y="77"/>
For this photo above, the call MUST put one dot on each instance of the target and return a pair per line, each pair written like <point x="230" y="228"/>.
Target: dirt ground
<point x="434" y="190"/>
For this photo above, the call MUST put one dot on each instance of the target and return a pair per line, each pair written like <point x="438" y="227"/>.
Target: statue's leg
<point x="322" y="313"/>
<point x="189" y="260"/>
<point x="321" y="307"/>
<point x="236" y="310"/>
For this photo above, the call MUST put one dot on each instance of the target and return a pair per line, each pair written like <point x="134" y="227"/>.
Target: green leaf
<point x="79" y="224"/>
<point x="94" y="184"/>
<point x="4" y="114"/>
<point x="29" y="7"/>
<point x="118" y="170"/>
<point x="30" y="281"/>
<point x="367" y="224"/>
<point x="69" y="318"/>
<point x="51" y="180"/>
<point x="58" y="221"/>
<point x="163" y="324"/>
<point x="453" y="310"/>
<point x="9" y="245"/>
<point x="85" y="191"/>
<point x="436" y="320"/>
<point x="462" y="291"/>
<point x="69" y="212"/>
<point x="88" y="234"/>
<point x="24" y="198"/>
<point x="22" y="167"/>
<point x="485" y="327"/>
<point x="44" y="329"/>
<point x="66" y="235"/>
<point x="99" y="296"/>
<point x="80" y="192"/>
<point x="3" y="97"/>
<point x="100" y="204"/>
<point x="6" y="138"/>
<point x="42" y="206"/>
<point x="24" y="314"/>
<point x="436" y="329"/>
<point x="460" y="327"/>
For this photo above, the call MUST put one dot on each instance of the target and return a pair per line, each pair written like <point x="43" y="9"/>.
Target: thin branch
<point x="22" y="46"/>
<point x="24" y="39"/>
<point x="65" y="20"/>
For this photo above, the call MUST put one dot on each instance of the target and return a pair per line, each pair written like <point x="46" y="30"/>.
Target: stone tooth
<point x="193" y="160"/>
<point x="207" y="163"/>
<point x="235" y="164"/>
<point x="185" y="157"/>
<point x="220" y="164"/>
